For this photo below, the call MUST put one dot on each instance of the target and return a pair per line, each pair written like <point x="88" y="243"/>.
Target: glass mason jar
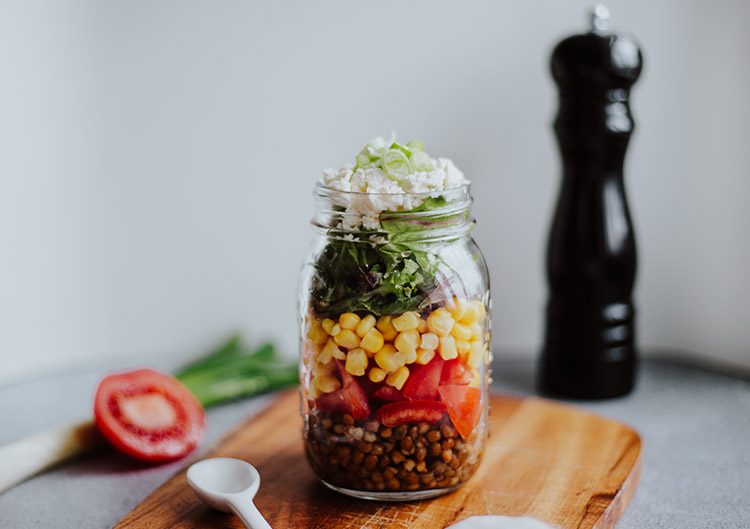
<point x="395" y="341"/>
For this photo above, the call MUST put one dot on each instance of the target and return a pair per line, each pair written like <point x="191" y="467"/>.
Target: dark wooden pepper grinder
<point x="589" y="349"/>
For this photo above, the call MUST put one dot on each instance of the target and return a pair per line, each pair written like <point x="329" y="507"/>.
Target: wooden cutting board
<point x="551" y="461"/>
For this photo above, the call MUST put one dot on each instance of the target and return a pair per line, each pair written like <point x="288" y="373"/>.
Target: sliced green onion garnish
<point x="415" y="145"/>
<point x="395" y="159"/>
<point x="421" y="161"/>
<point x="395" y="164"/>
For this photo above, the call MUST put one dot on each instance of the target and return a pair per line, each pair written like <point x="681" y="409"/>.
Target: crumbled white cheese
<point x="373" y="191"/>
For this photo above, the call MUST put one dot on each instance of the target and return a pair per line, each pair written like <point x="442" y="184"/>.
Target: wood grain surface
<point x="554" y="462"/>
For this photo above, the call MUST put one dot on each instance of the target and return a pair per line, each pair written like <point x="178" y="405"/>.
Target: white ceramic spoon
<point x="228" y="485"/>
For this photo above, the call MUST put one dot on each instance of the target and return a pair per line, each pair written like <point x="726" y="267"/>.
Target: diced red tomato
<point x="358" y="401"/>
<point x="148" y="415"/>
<point x="464" y="405"/>
<point x="407" y="411"/>
<point x="455" y="372"/>
<point x="355" y="394"/>
<point x="351" y="398"/>
<point x="335" y="402"/>
<point x="368" y="385"/>
<point x="423" y="381"/>
<point x="388" y="393"/>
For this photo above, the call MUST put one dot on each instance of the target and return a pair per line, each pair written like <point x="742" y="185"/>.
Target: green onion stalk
<point x="233" y="371"/>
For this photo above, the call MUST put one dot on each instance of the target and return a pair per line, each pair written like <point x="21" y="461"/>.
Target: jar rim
<point x="447" y="221"/>
<point x="323" y="190"/>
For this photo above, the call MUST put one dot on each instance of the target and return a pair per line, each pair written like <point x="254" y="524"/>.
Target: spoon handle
<point x="250" y="515"/>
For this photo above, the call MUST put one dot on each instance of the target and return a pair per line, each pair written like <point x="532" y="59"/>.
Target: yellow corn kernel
<point x="356" y="362"/>
<point x="328" y="368"/>
<point x="462" y="346"/>
<point x="347" y="338"/>
<point x="330" y="351"/>
<point x="372" y="341"/>
<point x="425" y="356"/>
<point x="476" y="354"/>
<point x="429" y="341"/>
<point x="313" y="392"/>
<point x="348" y="320"/>
<point x="398" y="377"/>
<point x="457" y="308"/>
<point x="407" y="341"/>
<point x="365" y="324"/>
<point x="440" y="322"/>
<point x="316" y="334"/>
<point x="406" y="322"/>
<point x="410" y="356"/>
<point x="385" y="326"/>
<point x="474" y="312"/>
<point x="328" y="325"/>
<point x="385" y="323"/>
<point x="388" y="358"/>
<point x="448" y="349"/>
<point x="422" y="326"/>
<point x="376" y="374"/>
<point x="461" y="331"/>
<point x="326" y="354"/>
<point x="476" y="331"/>
<point x="326" y="383"/>
<point x="389" y="336"/>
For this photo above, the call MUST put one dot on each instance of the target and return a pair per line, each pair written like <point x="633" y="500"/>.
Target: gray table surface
<point x="695" y="425"/>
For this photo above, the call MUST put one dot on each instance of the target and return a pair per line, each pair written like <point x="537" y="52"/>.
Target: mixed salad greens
<point x="393" y="270"/>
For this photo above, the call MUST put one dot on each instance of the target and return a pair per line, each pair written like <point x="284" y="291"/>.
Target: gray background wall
<point x="157" y="158"/>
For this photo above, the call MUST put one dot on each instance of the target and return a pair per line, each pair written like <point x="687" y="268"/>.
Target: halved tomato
<point x="351" y="398"/>
<point x="423" y="381"/>
<point x="405" y="411"/>
<point x="455" y="372"/>
<point x="464" y="405"/>
<point x="148" y="415"/>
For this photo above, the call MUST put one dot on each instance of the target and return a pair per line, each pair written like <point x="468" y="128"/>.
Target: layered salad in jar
<point x="395" y="328"/>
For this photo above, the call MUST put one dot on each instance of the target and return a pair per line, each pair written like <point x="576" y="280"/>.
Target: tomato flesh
<point x="388" y="393"/>
<point x="423" y="380"/>
<point x="464" y="404"/>
<point x="351" y="398"/>
<point x="407" y="411"/>
<point x="454" y="372"/>
<point x="148" y="415"/>
<point x="334" y="402"/>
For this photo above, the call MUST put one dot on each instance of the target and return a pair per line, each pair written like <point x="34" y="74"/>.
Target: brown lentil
<point x="366" y="455"/>
<point x="433" y="436"/>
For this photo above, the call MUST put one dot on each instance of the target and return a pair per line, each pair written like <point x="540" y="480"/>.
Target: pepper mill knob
<point x="599" y="19"/>
<point x="597" y="62"/>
